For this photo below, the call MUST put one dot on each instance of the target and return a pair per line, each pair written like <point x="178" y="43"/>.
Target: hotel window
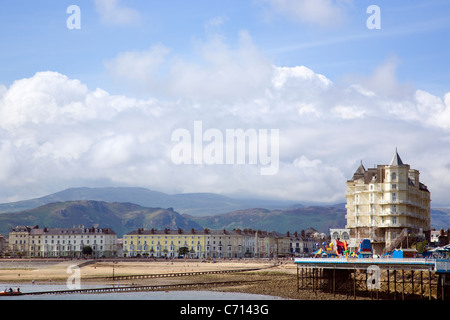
<point x="393" y="176"/>
<point x="394" y="197"/>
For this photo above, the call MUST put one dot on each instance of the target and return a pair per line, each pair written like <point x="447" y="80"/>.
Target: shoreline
<point x="276" y="279"/>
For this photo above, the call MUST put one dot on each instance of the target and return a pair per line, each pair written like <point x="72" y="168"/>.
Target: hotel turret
<point x="386" y="204"/>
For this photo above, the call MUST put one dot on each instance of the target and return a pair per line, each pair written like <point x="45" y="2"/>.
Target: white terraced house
<point x="62" y="242"/>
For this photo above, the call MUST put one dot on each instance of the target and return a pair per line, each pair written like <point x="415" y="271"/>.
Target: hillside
<point x="321" y="218"/>
<point x="121" y="217"/>
<point x="440" y="218"/>
<point x="127" y="209"/>
<point x="196" y="204"/>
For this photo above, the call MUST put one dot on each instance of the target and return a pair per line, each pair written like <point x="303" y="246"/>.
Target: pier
<point x="175" y="274"/>
<point x="168" y="287"/>
<point x="383" y="278"/>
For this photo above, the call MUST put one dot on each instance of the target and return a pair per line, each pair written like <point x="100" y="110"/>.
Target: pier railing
<point x="414" y="263"/>
<point x="174" y="274"/>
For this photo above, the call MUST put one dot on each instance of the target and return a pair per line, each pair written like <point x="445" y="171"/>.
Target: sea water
<point x="142" y="295"/>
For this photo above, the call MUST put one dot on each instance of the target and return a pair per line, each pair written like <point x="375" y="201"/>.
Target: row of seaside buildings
<point x="387" y="204"/>
<point x="35" y="242"/>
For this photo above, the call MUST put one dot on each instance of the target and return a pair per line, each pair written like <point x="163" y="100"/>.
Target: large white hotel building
<point x="386" y="203"/>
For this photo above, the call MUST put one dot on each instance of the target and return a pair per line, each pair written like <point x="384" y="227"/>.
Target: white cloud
<point x="322" y="13"/>
<point x="8" y="162"/>
<point x="299" y="75"/>
<point x="112" y="12"/>
<point x="140" y="69"/>
<point x="55" y="132"/>
<point x="215" y="22"/>
<point x="216" y="72"/>
<point x="348" y="112"/>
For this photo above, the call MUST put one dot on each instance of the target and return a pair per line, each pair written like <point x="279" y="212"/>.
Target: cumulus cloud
<point x="384" y="81"/>
<point x="218" y="71"/>
<point x="55" y="132"/>
<point x="139" y="69"/>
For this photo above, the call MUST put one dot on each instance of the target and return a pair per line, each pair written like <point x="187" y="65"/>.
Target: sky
<point x="143" y="93"/>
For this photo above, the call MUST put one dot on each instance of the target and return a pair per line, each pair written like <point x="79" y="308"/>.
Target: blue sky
<point x="35" y="37"/>
<point x="97" y="106"/>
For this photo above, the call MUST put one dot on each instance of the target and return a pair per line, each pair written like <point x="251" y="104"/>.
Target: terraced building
<point x="236" y="243"/>
<point x="35" y="242"/>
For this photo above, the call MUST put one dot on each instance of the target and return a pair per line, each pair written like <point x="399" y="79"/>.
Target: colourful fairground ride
<point x="365" y="249"/>
<point x="334" y="250"/>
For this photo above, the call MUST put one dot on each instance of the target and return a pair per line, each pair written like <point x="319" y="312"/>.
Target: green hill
<point x="321" y="218"/>
<point x="121" y="217"/>
<point x="440" y="218"/>
<point x="127" y="209"/>
<point x="196" y="204"/>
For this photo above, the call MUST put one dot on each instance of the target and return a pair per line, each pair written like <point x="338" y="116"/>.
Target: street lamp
<point x="114" y="262"/>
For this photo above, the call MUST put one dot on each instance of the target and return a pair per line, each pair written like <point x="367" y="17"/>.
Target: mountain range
<point x="125" y="217"/>
<point x="196" y="204"/>
<point x="127" y="209"/>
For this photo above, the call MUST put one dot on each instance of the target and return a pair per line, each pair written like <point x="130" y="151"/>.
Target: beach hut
<point x="397" y="254"/>
<point x="404" y="253"/>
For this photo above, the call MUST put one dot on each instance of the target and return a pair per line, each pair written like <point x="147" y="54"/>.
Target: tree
<point x="87" y="250"/>
<point x="421" y="246"/>
<point x="183" y="251"/>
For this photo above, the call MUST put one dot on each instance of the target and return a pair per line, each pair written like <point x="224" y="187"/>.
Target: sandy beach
<point x="39" y="270"/>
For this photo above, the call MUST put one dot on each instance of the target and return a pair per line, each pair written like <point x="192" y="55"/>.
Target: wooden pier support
<point x="395" y="282"/>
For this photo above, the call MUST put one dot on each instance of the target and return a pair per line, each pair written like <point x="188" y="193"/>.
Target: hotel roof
<point x="396" y="160"/>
